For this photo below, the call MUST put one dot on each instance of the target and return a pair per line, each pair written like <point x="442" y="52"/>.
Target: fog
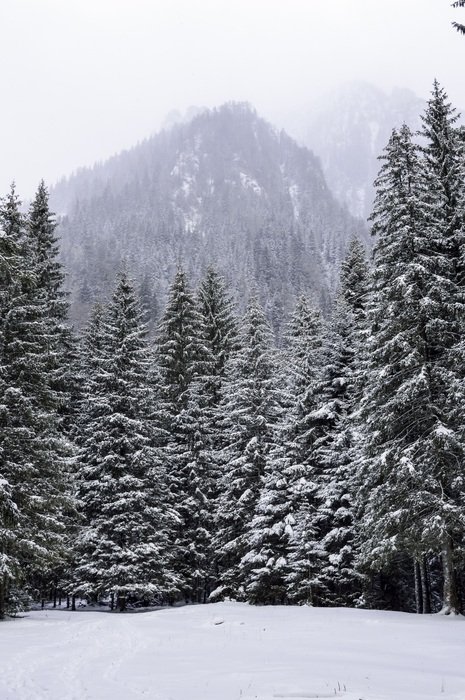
<point x="82" y="79"/>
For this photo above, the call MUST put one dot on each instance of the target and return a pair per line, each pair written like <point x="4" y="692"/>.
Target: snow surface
<point x="232" y="651"/>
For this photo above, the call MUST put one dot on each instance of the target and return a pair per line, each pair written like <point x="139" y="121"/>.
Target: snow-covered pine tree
<point x="220" y="327"/>
<point x="148" y="301"/>
<point x="10" y="264"/>
<point x="355" y="283"/>
<point x="337" y="449"/>
<point x="90" y="365"/>
<point x="180" y="349"/>
<point x="61" y="355"/>
<point x="122" y="549"/>
<point x="265" y="565"/>
<point x="34" y="455"/>
<point x="444" y="172"/>
<point x="62" y="350"/>
<point x="411" y="468"/>
<point x="251" y="408"/>
<point x="50" y="276"/>
<point x="220" y="331"/>
<point x="303" y="358"/>
<point x="184" y="365"/>
<point x="334" y="459"/>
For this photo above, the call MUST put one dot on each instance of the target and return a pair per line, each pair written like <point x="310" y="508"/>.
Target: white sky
<point x="82" y="79"/>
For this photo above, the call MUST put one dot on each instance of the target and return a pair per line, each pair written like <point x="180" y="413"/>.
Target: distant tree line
<point x="208" y="462"/>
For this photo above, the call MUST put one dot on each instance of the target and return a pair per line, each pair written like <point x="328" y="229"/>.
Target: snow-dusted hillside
<point x="231" y="651"/>
<point x="226" y="189"/>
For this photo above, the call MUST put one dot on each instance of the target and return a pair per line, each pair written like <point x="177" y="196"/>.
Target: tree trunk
<point x="73" y="602"/>
<point x="425" y="586"/>
<point x="3" y="585"/>
<point x="112" y="601"/>
<point x="121" y="602"/>
<point x="418" y="588"/>
<point x="450" y="601"/>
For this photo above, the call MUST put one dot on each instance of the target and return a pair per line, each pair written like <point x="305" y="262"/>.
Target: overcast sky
<point x="82" y="79"/>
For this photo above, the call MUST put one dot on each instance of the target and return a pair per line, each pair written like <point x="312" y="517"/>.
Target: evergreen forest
<point x="205" y="459"/>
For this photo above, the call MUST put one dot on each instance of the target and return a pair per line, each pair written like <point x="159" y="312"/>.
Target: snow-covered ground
<point x="230" y="651"/>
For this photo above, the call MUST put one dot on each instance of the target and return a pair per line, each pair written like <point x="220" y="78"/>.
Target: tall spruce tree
<point x="220" y="328"/>
<point x="334" y="452"/>
<point x="61" y="356"/>
<point x="185" y="364"/>
<point x="303" y="356"/>
<point x="355" y="283"/>
<point x="219" y="325"/>
<point x="444" y="172"/>
<point x="50" y="277"/>
<point x="251" y="411"/>
<point x="338" y="448"/>
<point x="123" y="545"/>
<point x="34" y="455"/>
<point x="411" y="468"/>
<point x="10" y="265"/>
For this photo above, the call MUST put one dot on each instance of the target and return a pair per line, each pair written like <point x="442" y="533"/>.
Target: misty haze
<point x="232" y="350"/>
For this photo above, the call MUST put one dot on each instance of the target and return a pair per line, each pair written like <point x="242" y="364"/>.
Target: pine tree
<point x="444" y="174"/>
<point x="41" y="230"/>
<point x="61" y="358"/>
<point x="355" y="282"/>
<point x="185" y="362"/>
<point x="220" y="327"/>
<point x="304" y="359"/>
<point x="122" y="548"/>
<point x="413" y="450"/>
<point x="62" y="348"/>
<point x="34" y="455"/>
<point x="10" y="262"/>
<point x="334" y="452"/>
<point x="180" y="349"/>
<point x="251" y="409"/>
<point x="337" y="450"/>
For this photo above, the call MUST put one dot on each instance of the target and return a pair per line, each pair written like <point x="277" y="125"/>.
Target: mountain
<point x="225" y="188"/>
<point x="348" y="129"/>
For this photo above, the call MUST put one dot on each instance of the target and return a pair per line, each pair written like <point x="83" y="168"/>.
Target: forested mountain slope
<point x="225" y="188"/>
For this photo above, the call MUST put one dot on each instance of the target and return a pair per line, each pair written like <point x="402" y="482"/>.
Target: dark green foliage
<point x="328" y="472"/>
<point x="186" y="390"/>
<point x="337" y="450"/>
<point x="303" y="359"/>
<point x="251" y="410"/>
<point x="122" y="547"/>
<point x="34" y="453"/>
<point x="414" y="441"/>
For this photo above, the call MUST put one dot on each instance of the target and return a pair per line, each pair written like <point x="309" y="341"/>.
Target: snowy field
<point x="230" y="651"/>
